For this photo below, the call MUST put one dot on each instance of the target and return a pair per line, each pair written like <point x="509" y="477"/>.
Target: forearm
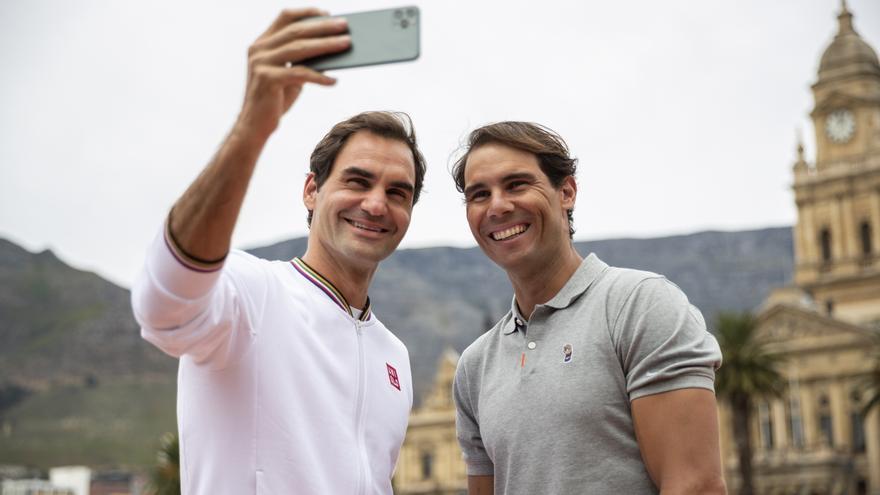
<point x="203" y="219"/>
<point x="697" y="486"/>
<point x="481" y="485"/>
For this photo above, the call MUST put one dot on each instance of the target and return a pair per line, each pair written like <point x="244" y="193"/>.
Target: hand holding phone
<point x="276" y="74"/>
<point x="377" y="37"/>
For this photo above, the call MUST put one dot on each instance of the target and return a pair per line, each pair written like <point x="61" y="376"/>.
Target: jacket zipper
<point x="359" y="413"/>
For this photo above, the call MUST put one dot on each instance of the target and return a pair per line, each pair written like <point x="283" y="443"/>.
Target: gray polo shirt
<point x="544" y="404"/>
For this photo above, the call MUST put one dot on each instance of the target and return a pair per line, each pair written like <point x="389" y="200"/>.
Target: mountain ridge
<point x="75" y="372"/>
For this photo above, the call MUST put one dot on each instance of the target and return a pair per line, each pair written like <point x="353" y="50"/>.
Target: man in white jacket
<point x="287" y="381"/>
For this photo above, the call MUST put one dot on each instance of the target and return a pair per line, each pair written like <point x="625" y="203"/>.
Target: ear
<point x="310" y="191"/>
<point x="568" y="191"/>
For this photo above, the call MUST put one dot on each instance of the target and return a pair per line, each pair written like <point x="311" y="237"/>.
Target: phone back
<point x="377" y="37"/>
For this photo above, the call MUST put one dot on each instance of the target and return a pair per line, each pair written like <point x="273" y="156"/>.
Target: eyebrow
<point x="507" y="178"/>
<point x="370" y="175"/>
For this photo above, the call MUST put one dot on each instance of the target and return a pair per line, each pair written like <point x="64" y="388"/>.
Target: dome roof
<point x="848" y="54"/>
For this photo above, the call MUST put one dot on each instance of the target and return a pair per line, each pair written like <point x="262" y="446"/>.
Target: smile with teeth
<point x="509" y="232"/>
<point x="365" y="227"/>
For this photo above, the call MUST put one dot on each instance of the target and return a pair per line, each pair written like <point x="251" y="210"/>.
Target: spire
<point x="800" y="140"/>
<point x="848" y="55"/>
<point x="801" y="169"/>
<point x="845" y="20"/>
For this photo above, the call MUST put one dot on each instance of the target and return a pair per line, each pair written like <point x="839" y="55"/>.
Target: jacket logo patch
<point x="392" y="376"/>
<point x="566" y="353"/>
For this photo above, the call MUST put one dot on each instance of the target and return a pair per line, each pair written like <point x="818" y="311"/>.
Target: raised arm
<point x="202" y="220"/>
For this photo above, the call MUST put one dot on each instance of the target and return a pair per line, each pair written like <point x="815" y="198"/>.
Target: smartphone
<point x="377" y="37"/>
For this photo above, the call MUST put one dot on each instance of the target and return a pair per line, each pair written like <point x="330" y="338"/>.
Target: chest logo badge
<point x="392" y="376"/>
<point x="566" y="353"/>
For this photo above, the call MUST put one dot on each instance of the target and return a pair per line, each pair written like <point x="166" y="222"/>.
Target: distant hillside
<point x="78" y="385"/>
<point x="60" y="324"/>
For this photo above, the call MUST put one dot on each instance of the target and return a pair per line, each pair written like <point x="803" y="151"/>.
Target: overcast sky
<point x="683" y="113"/>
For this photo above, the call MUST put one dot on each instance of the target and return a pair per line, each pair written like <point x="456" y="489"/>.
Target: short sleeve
<point x="467" y="425"/>
<point x="662" y="341"/>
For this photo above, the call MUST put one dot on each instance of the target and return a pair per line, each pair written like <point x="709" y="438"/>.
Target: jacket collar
<point x="328" y="288"/>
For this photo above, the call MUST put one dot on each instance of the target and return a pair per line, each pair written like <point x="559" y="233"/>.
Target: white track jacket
<point x="280" y="389"/>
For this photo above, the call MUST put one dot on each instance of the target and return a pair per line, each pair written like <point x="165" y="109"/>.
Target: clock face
<point x="840" y="126"/>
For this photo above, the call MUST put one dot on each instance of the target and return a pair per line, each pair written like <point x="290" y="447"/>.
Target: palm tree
<point x="749" y="371"/>
<point x="166" y="475"/>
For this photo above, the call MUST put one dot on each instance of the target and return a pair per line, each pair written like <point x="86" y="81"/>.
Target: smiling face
<point x="363" y="209"/>
<point x="516" y="215"/>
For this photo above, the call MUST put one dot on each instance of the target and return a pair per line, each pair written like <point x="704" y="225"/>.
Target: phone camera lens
<point x="404" y="23"/>
<point x="410" y="12"/>
<point x="398" y="14"/>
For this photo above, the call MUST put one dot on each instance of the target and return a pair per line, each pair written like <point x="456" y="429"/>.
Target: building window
<point x="825" y="244"/>
<point x="858" y="421"/>
<point x="427" y="465"/>
<point x="858" y="432"/>
<point x="826" y="429"/>
<point x="766" y="421"/>
<point x="865" y="232"/>
<point x="796" y="427"/>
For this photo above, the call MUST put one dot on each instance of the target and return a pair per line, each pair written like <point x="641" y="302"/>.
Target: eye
<point x="358" y="182"/>
<point x="517" y="185"/>
<point x="477" y="196"/>
<point x="400" y="193"/>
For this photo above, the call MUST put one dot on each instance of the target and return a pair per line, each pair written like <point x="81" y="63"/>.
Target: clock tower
<point x="837" y="236"/>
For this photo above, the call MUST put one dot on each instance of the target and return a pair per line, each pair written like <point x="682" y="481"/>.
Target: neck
<point x="537" y="284"/>
<point x="352" y="281"/>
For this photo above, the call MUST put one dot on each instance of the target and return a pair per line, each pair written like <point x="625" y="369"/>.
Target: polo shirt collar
<point x="587" y="273"/>
<point x="513" y="319"/>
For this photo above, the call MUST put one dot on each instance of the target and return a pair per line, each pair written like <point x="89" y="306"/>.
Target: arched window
<point x="825" y="244"/>
<point x="865" y="232"/>
<point x="427" y="465"/>
<point x="765" y="420"/>
<point x="826" y="430"/>
<point x="858" y="421"/>
<point x="796" y="427"/>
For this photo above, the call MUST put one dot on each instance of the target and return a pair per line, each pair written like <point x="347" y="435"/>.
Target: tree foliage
<point x="749" y="371"/>
<point x="166" y="474"/>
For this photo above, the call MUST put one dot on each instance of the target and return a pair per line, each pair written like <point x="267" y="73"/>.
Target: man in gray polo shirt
<point x="599" y="379"/>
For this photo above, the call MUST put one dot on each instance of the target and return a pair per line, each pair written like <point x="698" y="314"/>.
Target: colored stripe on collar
<point x="328" y="288"/>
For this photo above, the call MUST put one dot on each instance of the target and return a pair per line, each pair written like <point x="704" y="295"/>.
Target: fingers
<point x="311" y="28"/>
<point x="299" y="50"/>
<point x="297" y="75"/>
<point x="289" y="16"/>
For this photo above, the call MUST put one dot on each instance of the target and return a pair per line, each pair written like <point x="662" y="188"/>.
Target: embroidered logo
<point x="392" y="376"/>
<point x="566" y="352"/>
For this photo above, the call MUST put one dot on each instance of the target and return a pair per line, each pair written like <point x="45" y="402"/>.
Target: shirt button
<point x="532" y="345"/>
<point x="518" y="322"/>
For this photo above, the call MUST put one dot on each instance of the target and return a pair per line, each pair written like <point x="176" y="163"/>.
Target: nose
<point x="375" y="203"/>
<point x="499" y="205"/>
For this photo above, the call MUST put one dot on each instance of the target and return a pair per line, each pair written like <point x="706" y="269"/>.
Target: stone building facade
<point x="814" y="439"/>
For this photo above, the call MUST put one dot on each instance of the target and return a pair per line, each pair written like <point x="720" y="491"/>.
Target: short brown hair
<point x="390" y="125"/>
<point x="548" y="146"/>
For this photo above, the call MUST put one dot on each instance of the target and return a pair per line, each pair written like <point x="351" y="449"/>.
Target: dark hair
<point x="390" y="125"/>
<point x="550" y="149"/>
